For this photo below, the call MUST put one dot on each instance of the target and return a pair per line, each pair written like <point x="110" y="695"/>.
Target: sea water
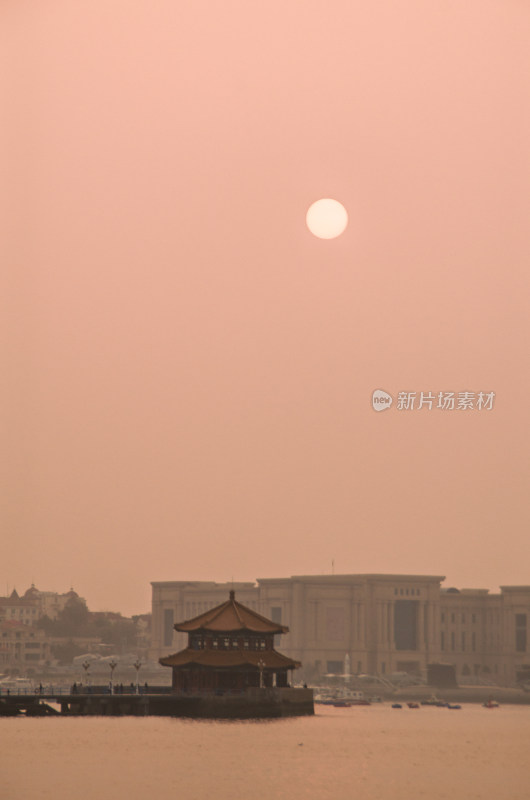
<point x="358" y="753"/>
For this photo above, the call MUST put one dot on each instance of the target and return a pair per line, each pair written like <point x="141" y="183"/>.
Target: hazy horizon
<point x="187" y="370"/>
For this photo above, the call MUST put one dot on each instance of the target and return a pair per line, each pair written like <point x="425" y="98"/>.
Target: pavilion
<point x="230" y="649"/>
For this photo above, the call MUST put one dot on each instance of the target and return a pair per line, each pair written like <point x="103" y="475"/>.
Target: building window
<point x="276" y="616"/>
<point x="473" y="618"/>
<point x="335" y="624"/>
<point x="463" y="618"/>
<point x="473" y="641"/>
<point x="463" y="640"/>
<point x="383" y="667"/>
<point x="168" y="627"/>
<point x="443" y="617"/>
<point x="453" y="640"/>
<point x="452" y="617"/>
<point x="405" y="624"/>
<point x="442" y="640"/>
<point x="520" y="633"/>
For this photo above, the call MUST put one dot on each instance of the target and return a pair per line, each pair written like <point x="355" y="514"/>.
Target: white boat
<point x="342" y="697"/>
<point x="17" y="684"/>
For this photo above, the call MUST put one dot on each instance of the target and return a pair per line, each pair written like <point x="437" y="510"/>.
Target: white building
<point x="383" y="623"/>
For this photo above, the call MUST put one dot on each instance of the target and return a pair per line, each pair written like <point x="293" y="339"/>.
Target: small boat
<point x="453" y="706"/>
<point x="397" y="705"/>
<point x="16" y="686"/>
<point x="490" y="703"/>
<point x="434" y="701"/>
<point x="413" y="705"/>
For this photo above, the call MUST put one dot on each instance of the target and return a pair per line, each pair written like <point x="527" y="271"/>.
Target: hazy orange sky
<point x="187" y="370"/>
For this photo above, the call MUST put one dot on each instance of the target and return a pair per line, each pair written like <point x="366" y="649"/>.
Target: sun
<point x="327" y="218"/>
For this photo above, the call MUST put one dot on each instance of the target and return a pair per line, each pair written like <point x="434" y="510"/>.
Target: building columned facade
<point x="375" y="624"/>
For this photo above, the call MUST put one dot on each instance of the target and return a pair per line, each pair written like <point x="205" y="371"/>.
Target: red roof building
<point x="230" y="648"/>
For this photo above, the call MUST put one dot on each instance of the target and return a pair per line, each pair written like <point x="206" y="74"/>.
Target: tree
<point x="65" y="652"/>
<point x="74" y="618"/>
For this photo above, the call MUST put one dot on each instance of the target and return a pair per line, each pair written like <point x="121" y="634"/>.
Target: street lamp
<point x="137" y="664"/>
<point x="261" y="664"/>
<point x="112" y="664"/>
<point x="86" y="667"/>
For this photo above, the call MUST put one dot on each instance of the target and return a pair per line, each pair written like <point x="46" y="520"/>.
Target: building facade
<point x="375" y="624"/>
<point x="22" y="647"/>
<point x="33" y="605"/>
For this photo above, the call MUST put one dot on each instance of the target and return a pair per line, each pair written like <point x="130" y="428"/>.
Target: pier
<point x="161" y="701"/>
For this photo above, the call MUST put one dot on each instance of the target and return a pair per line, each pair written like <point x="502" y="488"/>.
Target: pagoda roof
<point x="231" y="616"/>
<point x="229" y="658"/>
